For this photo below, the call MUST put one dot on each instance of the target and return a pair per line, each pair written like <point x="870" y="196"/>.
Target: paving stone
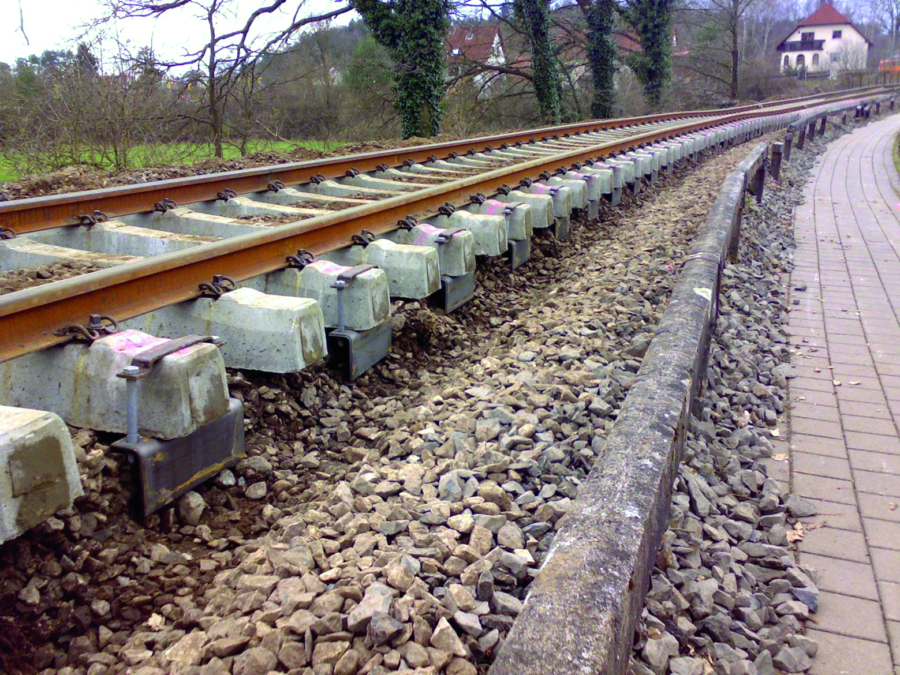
<point x="843" y="576"/>
<point x="842" y="655"/>
<point x="867" y="619"/>
<point x="835" y="543"/>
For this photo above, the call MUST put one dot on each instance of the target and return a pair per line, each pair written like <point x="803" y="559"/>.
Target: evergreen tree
<point x="534" y="15"/>
<point x="600" y="16"/>
<point x="651" y="21"/>
<point x="413" y="33"/>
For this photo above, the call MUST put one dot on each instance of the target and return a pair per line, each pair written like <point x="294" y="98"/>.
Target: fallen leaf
<point x="817" y="370"/>
<point x="776" y="433"/>
<point x="854" y="383"/>
<point x="779" y="458"/>
<point x="836" y="383"/>
<point x="892" y="506"/>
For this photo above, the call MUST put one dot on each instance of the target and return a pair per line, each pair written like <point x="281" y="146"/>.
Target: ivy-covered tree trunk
<point x="651" y="21"/>
<point x="413" y="33"/>
<point x="600" y="16"/>
<point x="535" y="18"/>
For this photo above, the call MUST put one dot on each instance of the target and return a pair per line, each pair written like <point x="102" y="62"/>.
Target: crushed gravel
<point x="392" y="524"/>
<point x="18" y="280"/>
<point x="727" y="596"/>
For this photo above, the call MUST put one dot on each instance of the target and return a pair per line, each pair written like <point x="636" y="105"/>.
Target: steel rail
<point x="48" y="212"/>
<point x="30" y="318"/>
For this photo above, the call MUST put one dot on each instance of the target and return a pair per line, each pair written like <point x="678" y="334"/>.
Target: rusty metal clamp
<point x="7" y="233"/>
<point x="409" y="163"/>
<point x="407" y="223"/>
<point x="226" y="195"/>
<point x="526" y="182"/>
<point x="477" y="198"/>
<point x="301" y="260"/>
<point x="363" y="239"/>
<point x="352" y="172"/>
<point x="382" y="167"/>
<point x="220" y="286"/>
<point x="91" y="219"/>
<point x="165" y="205"/>
<point x="276" y="186"/>
<point x="504" y="190"/>
<point x="317" y="179"/>
<point x="447" y="209"/>
<point x="432" y="158"/>
<point x="98" y="326"/>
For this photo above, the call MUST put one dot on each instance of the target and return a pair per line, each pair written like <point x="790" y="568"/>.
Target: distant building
<point x="825" y="41"/>
<point x="474" y="45"/>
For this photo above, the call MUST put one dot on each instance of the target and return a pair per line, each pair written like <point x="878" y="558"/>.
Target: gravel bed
<point x="726" y="595"/>
<point x="392" y="524"/>
<point x="18" y="280"/>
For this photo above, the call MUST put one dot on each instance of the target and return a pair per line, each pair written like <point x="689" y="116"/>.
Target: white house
<point x="826" y="40"/>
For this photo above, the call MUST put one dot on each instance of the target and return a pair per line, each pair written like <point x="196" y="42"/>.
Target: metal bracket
<point x="98" y="326"/>
<point x="226" y="195"/>
<point x="168" y="469"/>
<point x="357" y="351"/>
<point x="560" y="227"/>
<point x="92" y="219"/>
<point x="454" y="292"/>
<point x="220" y="286"/>
<point x="519" y="252"/>
<point x="7" y="233"/>
<point x="165" y="205"/>
<point x="301" y="260"/>
<point x="276" y="186"/>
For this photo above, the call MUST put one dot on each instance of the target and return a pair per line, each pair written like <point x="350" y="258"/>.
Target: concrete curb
<point x="580" y="613"/>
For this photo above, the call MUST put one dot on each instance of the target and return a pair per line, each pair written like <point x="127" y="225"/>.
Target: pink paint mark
<point x="493" y="206"/>
<point x="326" y="267"/>
<point x="131" y="342"/>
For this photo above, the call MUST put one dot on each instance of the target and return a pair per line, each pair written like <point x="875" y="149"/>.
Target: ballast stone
<point x="38" y="471"/>
<point x="184" y="391"/>
<point x="269" y="333"/>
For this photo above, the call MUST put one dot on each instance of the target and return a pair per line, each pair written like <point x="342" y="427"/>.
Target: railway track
<point x="362" y="510"/>
<point x="194" y="230"/>
<point x="283" y="266"/>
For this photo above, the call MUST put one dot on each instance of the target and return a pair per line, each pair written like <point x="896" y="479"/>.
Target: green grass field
<point x="170" y="154"/>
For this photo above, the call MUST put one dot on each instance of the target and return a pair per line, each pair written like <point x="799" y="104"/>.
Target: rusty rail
<point x="52" y="211"/>
<point x="30" y="318"/>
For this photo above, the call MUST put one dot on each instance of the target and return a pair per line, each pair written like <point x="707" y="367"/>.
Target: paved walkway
<point x="845" y="400"/>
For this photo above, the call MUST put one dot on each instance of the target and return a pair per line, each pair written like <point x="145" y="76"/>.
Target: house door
<point x="801" y="60"/>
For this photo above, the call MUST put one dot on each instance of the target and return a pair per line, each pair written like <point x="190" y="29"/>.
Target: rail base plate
<point x="635" y="187"/>
<point x="519" y="252"/>
<point x="615" y="197"/>
<point x="593" y="210"/>
<point x="168" y="469"/>
<point x="455" y="292"/>
<point x="355" y="352"/>
<point x="560" y="227"/>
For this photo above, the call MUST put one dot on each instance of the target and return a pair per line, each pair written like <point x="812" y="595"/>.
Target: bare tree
<point x="226" y="54"/>
<point x="717" y="50"/>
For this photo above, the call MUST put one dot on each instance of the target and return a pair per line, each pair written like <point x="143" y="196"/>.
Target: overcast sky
<point x="57" y="24"/>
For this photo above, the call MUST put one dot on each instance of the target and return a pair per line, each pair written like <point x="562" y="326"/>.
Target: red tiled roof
<point x="824" y="16"/>
<point x="472" y="43"/>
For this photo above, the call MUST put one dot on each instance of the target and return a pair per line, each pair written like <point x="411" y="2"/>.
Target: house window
<point x="470" y="36"/>
<point x="801" y="60"/>
<point x="815" y="60"/>
<point x="787" y="61"/>
<point x="808" y="37"/>
<point x="836" y="35"/>
<point x="455" y="51"/>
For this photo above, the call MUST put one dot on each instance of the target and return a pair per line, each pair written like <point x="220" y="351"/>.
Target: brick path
<point x="845" y="399"/>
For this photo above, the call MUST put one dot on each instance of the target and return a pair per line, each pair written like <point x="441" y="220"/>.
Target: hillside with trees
<point x="397" y="69"/>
